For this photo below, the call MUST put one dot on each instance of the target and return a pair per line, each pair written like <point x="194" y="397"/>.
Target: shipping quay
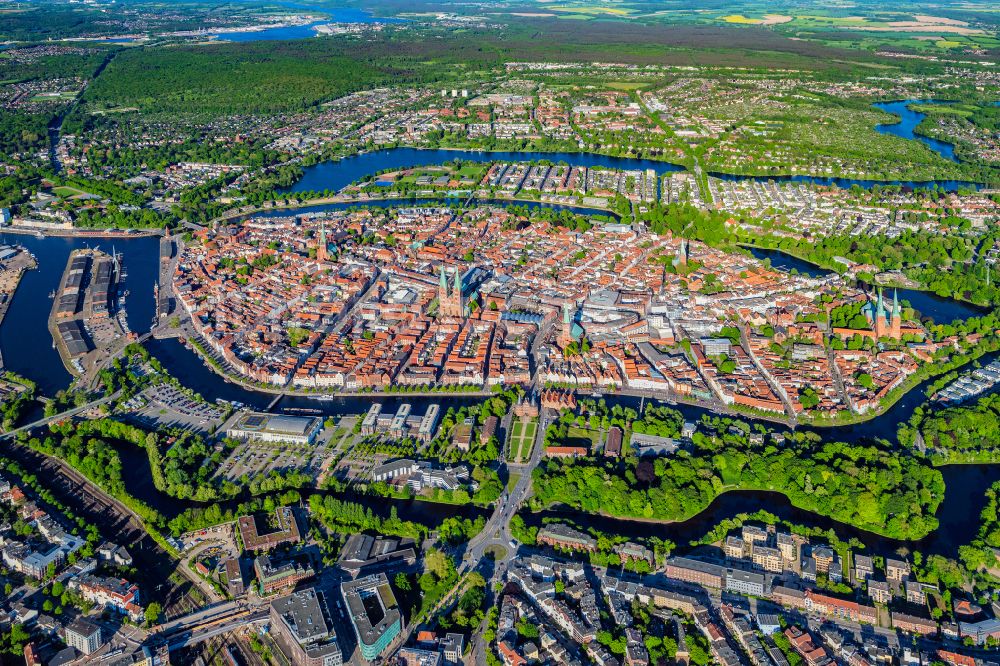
<point x="88" y="322"/>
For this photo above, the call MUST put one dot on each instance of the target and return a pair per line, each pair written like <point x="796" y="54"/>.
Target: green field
<point x="66" y="192"/>
<point x="522" y="438"/>
<point x="577" y="436"/>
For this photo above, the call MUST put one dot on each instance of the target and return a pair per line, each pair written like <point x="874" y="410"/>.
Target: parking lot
<point x="254" y="457"/>
<point x="165" y="405"/>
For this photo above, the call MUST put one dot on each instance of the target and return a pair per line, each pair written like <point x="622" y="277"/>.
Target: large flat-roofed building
<point x="275" y="428"/>
<point x="100" y="289"/>
<point x="374" y="613"/>
<point x="401" y="423"/>
<point x="363" y="551"/>
<point x="428" y="423"/>
<point x="74" y="337"/>
<point x="370" y="423"/>
<point x="257" y="534"/>
<point x="304" y="630"/>
<point x="695" y="571"/>
<point x="71" y="297"/>
<point x="745" y="582"/>
<point x="652" y="445"/>
<point x="398" y="425"/>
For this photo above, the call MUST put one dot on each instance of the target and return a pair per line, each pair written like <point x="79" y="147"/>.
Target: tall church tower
<point x="451" y="302"/>
<point x="881" y="324"/>
<point x="566" y="331"/>
<point x="321" y="250"/>
<point x="895" y="327"/>
<point x="681" y="258"/>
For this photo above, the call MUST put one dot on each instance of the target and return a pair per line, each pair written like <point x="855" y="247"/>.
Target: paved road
<point x="497" y="529"/>
<point x="60" y="416"/>
<point x="103" y="365"/>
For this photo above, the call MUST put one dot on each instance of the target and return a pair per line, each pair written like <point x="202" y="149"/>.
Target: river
<point x="25" y="341"/>
<point x="958" y="514"/>
<point x="926" y="303"/>
<point x="335" y="175"/>
<point x="908" y="121"/>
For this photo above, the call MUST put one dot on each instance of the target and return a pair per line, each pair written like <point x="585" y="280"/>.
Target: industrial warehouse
<point x="86" y="315"/>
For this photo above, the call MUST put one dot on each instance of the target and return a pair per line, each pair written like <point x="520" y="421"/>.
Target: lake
<point x="305" y="31"/>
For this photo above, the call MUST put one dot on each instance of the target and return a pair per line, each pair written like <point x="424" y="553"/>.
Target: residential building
<point x="83" y="635"/>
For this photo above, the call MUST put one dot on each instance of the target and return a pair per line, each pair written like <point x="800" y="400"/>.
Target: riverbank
<point x="209" y="361"/>
<point x="78" y="232"/>
<point x="115" y="521"/>
<point x="339" y="202"/>
<point x="791" y="260"/>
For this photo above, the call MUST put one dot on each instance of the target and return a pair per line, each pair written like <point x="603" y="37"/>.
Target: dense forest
<point x="981" y="555"/>
<point x="244" y="78"/>
<point x="962" y="434"/>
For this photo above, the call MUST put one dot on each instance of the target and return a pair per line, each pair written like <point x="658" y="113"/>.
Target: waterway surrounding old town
<point x="27" y="350"/>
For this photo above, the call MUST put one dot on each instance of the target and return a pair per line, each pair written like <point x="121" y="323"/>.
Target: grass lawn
<point x="471" y="171"/>
<point x="627" y="85"/>
<point x="512" y="480"/>
<point x="522" y="437"/>
<point x="577" y="436"/>
<point x="67" y="192"/>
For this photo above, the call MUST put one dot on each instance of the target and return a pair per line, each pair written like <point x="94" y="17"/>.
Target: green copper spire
<point x="879" y="306"/>
<point x="443" y="283"/>
<point x="896" y="310"/>
<point x="458" y="281"/>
